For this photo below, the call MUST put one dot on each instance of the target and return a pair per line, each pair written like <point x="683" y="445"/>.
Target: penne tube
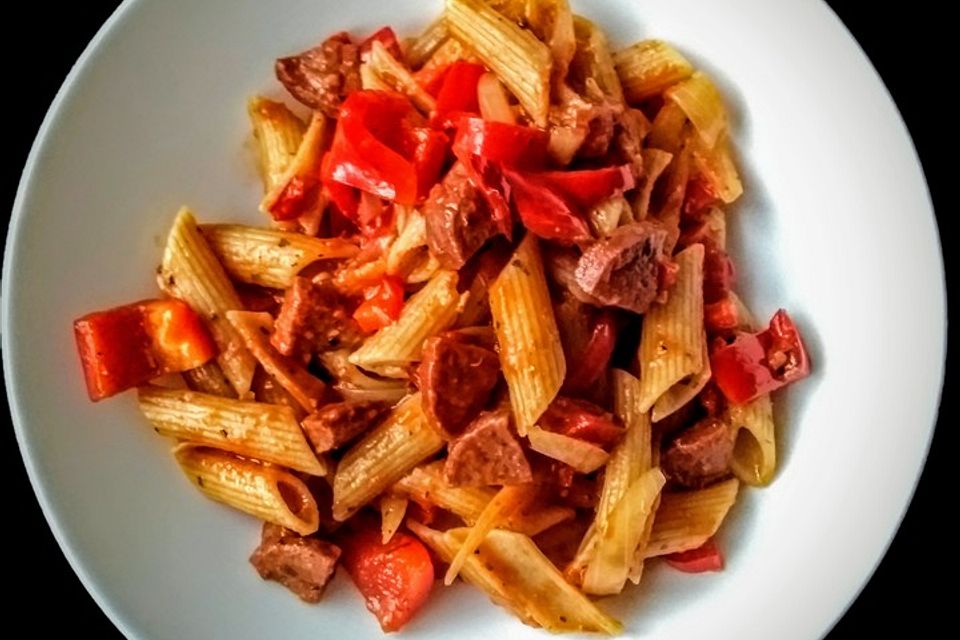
<point x="671" y="341"/>
<point x="610" y="214"/>
<point x="506" y="502"/>
<point x="754" y="450"/>
<point x="421" y="48"/>
<point x="520" y="60"/>
<point x="493" y="101"/>
<point x="450" y="51"/>
<point x="393" y="508"/>
<point x="687" y="519"/>
<point x="392" y="73"/>
<point x="655" y="162"/>
<point x="190" y="271"/>
<point x="255" y="329"/>
<point x="270" y="493"/>
<point x="594" y="60"/>
<point x="266" y="432"/>
<point x="302" y="170"/>
<point x="552" y="22"/>
<point x="427" y="484"/>
<point x="683" y="391"/>
<point x="278" y="133"/>
<point x="354" y="384"/>
<point x="395" y="347"/>
<point x="530" y="351"/>
<point x="268" y="257"/>
<point x="639" y="557"/>
<point x="617" y="543"/>
<point x="209" y="378"/>
<point x="511" y="569"/>
<point x="579" y="454"/>
<point x="370" y="81"/>
<point x="667" y="128"/>
<point x="715" y="225"/>
<point x="648" y="67"/>
<point x="384" y="455"/>
<point x="701" y="102"/>
<point x="409" y="256"/>
<point x="717" y="166"/>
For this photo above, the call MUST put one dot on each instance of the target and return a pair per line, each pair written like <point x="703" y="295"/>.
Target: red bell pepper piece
<point x="381" y="147"/>
<point x="388" y="38"/>
<point x="297" y="196"/>
<point x="755" y="364"/>
<point x="431" y="78"/>
<point x="720" y="316"/>
<point x="458" y="94"/>
<point x="588" y="188"/>
<point x="700" y="195"/>
<point x="545" y="212"/>
<point x="382" y="306"/>
<point x="127" y="346"/>
<point x="593" y="360"/>
<point x="508" y="144"/>
<point x="706" y="557"/>
<point x="394" y="578"/>
<point x="583" y="420"/>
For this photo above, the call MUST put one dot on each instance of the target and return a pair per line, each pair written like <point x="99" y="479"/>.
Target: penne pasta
<point x="264" y="491"/>
<point x="394" y="75"/>
<point x="493" y="101"/>
<point x="619" y="539"/>
<point x="268" y="257"/>
<point x="594" y="60"/>
<point x="278" y="133"/>
<point x="514" y="573"/>
<point x="530" y="351"/>
<point x="648" y="67"/>
<point x="717" y="166"/>
<point x="190" y="271"/>
<point x="523" y="63"/>
<point x="655" y="162"/>
<point x="369" y="79"/>
<point x="666" y="128"/>
<point x="209" y="378"/>
<point x="639" y="557"/>
<point x="579" y="454"/>
<point x="701" y="102"/>
<point x="715" y="225"/>
<point x="610" y="214"/>
<point x="421" y="48"/>
<point x="552" y="22"/>
<point x="394" y="348"/>
<point x="393" y="508"/>
<point x="450" y="51"/>
<point x="255" y="329"/>
<point x="266" y="432"/>
<point x="687" y="519"/>
<point x="384" y="455"/>
<point x="302" y="170"/>
<point x="409" y="256"/>
<point x="684" y="390"/>
<point x="354" y="384"/>
<point x="754" y="450"/>
<point x="671" y="341"/>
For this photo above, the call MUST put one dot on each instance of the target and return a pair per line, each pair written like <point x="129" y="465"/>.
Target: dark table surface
<point x="914" y="54"/>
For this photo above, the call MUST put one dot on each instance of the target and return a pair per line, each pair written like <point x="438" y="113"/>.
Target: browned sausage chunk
<point x="456" y="380"/>
<point x="458" y="219"/>
<point x="336" y="424"/>
<point x="487" y="453"/>
<point x="323" y="76"/>
<point x="314" y="317"/>
<point x="626" y="269"/>
<point x="699" y="455"/>
<point x="303" y="565"/>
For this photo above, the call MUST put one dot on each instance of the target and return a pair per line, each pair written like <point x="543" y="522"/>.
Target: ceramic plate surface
<point x="836" y="226"/>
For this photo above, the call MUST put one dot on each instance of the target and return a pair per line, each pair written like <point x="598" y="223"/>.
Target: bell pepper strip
<point x="508" y="144"/>
<point x="385" y="36"/>
<point x="706" y="557"/>
<point x="720" y="316"/>
<point x="394" y="578"/>
<point x="382" y="305"/>
<point x="544" y="212"/>
<point x="583" y="420"/>
<point x="488" y="177"/>
<point x="588" y="188"/>
<point x="458" y="94"/>
<point x="345" y="199"/>
<point x="297" y="196"/>
<point x="595" y="356"/>
<point x="127" y="346"/>
<point x="431" y="78"/>
<point x="378" y="147"/>
<point x="754" y="364"/>
<point x="700" y="195"/>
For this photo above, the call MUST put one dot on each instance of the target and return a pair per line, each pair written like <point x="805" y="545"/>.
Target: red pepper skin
<point x="583" y="420"/>
<point x="720" y="316"/>
<point x="508" y="144"/>
<point x="299" y="195"/>
<point x="388" y="38"/>
<point x="124" y="347"/>
<point x="700" y="195"/>
<point x="458" y="94"/>
<point x="588" y="188"/>
<point x="755" y="364"/>
<point x="544" y="212"/>
<point x="595" y="357"/>
<point x="377" y="148"/>
<point x="431" y="78"/>
<point x="395" y="578"/>
<point x="706" y="557"/>
<point x="382" y="306"/>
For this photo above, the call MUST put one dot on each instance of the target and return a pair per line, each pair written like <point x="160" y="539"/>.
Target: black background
<point x="909" y="47"/>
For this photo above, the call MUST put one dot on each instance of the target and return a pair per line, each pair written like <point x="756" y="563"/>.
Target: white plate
<point x="837" y="226"/>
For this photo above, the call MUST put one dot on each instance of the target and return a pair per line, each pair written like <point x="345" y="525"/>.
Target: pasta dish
<point x="488" y="329"/>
